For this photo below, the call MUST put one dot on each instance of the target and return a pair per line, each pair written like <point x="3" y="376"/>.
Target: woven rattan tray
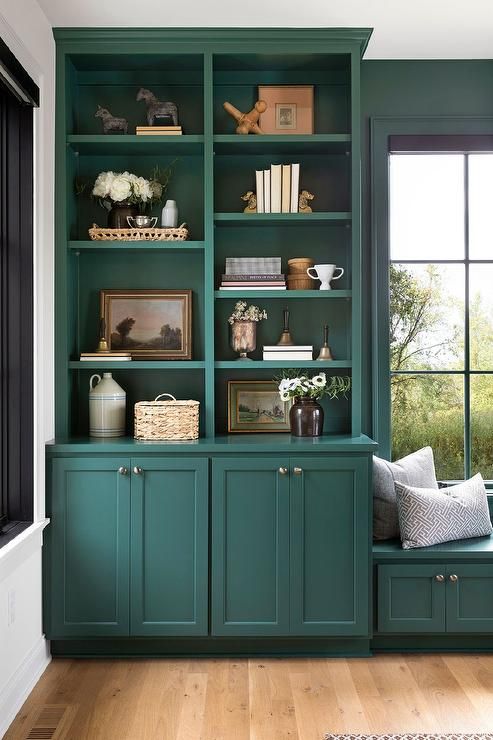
<point x="138" y="235"/>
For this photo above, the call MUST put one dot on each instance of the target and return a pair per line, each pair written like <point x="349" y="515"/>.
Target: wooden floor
<point x="269" y="699"/>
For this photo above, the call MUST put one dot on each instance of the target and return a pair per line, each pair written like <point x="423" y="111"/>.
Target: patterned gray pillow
<point x="428" y="517"/>
<point x="416" y="469"/>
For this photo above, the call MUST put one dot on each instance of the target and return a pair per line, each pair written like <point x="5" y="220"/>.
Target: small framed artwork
<point x="150" y="324"/>
<point x="289" y="109"/>
<point x="255" y="406"/>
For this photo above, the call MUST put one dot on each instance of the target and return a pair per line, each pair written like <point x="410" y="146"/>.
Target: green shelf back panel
<point x="326" y="176"/>
<point x="186" y="187"/>
<point x="288" y="145"/>
<point x="133" y="144"/>
<point x="337" y="413"/>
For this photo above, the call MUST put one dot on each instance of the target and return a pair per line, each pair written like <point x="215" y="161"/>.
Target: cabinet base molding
<point x="210" y="647"/>
<point x="433" y="643"/>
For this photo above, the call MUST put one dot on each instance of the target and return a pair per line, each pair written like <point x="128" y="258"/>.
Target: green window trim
<point x="381" y="129"/>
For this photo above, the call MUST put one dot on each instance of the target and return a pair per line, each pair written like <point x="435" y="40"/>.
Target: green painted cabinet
<point x="88" y="546"/>
<point x="169" y="547"/>
<point x="290" y="546"/>
<point x="329" y="546"/>
<point x="250" y="546"/>
<point x="127" y="548"/>
<point x="434" y="598"/>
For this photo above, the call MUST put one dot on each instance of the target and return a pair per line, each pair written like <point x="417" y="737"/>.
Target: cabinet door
<point x="470" y="598"/>
<point x="330" y="544"/>
<point x="88" y="548"/>
<point x="411" y="599"/>
<point x="169" y="546"/>
<point x="250" y="546"/>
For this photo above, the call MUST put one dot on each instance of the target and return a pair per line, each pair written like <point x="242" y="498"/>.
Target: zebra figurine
<point x="158" y="113"/>
<point x="111" y="123"/>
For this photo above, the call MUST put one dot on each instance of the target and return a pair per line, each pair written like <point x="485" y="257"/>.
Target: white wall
<point x="23" y="651"/>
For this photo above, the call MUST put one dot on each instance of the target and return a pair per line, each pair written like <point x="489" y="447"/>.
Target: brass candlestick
<point x="102" y="344"/>
<point x="325" y="353"/>
<point x="286" y="339"/>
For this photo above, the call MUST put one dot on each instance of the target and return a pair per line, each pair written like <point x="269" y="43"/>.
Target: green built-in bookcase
<point x="198" y="70"/>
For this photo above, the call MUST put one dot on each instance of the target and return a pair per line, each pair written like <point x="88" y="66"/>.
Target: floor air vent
<point x="48" y="722"/>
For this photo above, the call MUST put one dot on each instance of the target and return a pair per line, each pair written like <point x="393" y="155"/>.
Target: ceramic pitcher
<point x="107" y="401"/>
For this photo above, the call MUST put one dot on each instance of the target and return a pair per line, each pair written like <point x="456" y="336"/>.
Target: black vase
<point x="306" y="417"/>
<point x="117" y="217"/>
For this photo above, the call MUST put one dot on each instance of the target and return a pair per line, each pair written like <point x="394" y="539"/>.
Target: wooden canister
<point x="299" y="265"/>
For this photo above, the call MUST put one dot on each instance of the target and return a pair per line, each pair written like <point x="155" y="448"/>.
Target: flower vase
<point x="120" y="211"/>
<point x="244" y="338"/>
<point x="306" y="417"/>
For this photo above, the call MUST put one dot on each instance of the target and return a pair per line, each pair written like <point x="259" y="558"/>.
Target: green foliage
<point x="429" y="409"/>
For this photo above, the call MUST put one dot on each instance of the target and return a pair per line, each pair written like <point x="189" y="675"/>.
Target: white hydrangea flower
<point x="121" y="188"/>
<point x="142" y="189"/>
<point x="103" y="184"/>
<point x="156" y="189"/>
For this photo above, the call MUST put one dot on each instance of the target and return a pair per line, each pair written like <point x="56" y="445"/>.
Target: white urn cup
<point x="107" y="401"/>
<point x="325" y="273"/>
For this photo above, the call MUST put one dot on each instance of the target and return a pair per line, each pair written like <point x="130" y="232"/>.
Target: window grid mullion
<point x="467" y="352"/>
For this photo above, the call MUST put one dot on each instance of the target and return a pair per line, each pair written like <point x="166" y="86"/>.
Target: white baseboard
<point x="22" y="683"/>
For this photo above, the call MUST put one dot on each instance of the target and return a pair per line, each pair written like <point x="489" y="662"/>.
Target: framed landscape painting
<point x="150" y="324"/>
<point x="255" y="406"/>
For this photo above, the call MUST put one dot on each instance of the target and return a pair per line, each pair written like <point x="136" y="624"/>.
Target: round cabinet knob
<point x="123" y="471"/>
<point x="283" y="471"/>
<point x="137" y="470"/>
<point x="440" y="578"/>
<point x="297" y="471"/>
<point x="453" y="578"/>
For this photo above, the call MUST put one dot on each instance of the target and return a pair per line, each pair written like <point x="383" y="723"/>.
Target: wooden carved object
<point x="111" y="123"/>
<point x="251" y="198"/>
<point x="158" y="113"/>
<point x="303" y="206"/>
<point x="247" y="122"/>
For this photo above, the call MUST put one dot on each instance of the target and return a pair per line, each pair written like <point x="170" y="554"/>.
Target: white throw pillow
<point x="428" y="516"/>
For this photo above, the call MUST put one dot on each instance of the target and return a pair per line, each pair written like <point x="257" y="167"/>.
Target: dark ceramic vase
<point x="117" y="217"/>
<point x="306" y="417"/>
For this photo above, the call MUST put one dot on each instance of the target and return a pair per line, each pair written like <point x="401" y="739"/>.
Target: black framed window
<point x="433" y="260"/>
<point x="18" y="94"/>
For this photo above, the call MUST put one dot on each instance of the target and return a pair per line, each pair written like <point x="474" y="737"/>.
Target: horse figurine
<point x="111" y="123"/>
<point x="157" y="111"/>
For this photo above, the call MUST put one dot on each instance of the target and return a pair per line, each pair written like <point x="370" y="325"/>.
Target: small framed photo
<point x="150" y="324"/>
<point x="289" y="109"/>
<point x="255" y="406"/>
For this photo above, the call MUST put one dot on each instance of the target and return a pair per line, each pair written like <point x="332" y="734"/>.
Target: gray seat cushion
<point x="428" y="517"/>
<point x="416" y="469"/>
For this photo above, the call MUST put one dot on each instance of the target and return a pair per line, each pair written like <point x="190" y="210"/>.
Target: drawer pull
<point x="297" y="471"/>
<point x="440" y="578"/>
<point x="283" y="471"/>
<point x="123" y="471"/>
<point x="138" y="471"/>
<point x="453" y="578"/>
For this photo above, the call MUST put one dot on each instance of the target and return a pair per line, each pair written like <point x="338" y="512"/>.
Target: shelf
<point x="336" y="217"/>
<point x="220" y="443"/>
<point x="266" y="364"/>
<point x="235" y="294"/>
<point x="143" y="246"/>
<point x="282" y="144"/>
<point x="109" y="144"/>
<point x="136" y="365"/>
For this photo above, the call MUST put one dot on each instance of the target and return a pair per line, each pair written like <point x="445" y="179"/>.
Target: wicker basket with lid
<point x="170" y="419"/>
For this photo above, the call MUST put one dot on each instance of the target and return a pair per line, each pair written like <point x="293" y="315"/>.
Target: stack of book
<point x="105" y="356"/>
<point x="278" y="188"/>
<point x="287" y="352"/>
<point x="253" y="273"/>
<point x="158" y="130"/>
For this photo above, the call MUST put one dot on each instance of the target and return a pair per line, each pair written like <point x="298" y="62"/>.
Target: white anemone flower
<point x="319" y="381"/>
<point x="284" y="384"/>
<point x="284" y="395"/>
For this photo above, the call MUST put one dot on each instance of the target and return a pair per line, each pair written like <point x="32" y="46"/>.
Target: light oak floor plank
<point x="263" y="699"/>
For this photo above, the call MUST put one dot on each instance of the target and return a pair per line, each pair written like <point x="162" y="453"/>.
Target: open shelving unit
<point x="213" y="167"/>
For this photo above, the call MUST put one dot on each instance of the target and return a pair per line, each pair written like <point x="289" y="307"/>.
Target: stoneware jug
<point x="107" y="403"/>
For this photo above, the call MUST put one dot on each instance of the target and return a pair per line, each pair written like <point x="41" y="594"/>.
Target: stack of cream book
<point x="278" y="188"/>
<point x="105" y="356"/>
<point x="287" y="352"/>
<point x="158" y="130"/>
